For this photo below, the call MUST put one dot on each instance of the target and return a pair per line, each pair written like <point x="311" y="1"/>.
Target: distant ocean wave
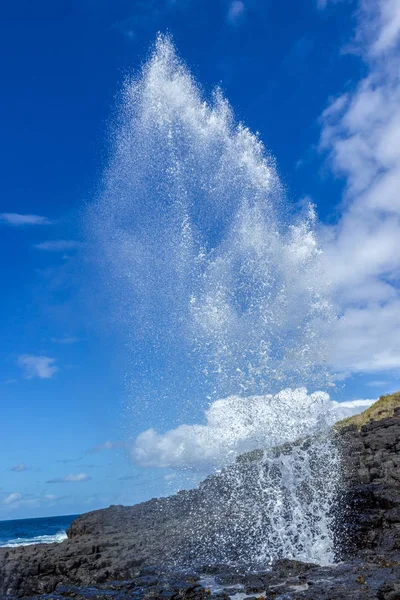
<point x="42" y="530"/>
<point x="39" y="539"/>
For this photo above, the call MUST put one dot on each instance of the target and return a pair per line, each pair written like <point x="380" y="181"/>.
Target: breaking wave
<point x="39" y="539"/>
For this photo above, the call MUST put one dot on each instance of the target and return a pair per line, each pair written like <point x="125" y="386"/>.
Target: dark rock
<point x="389" y="592"/>
<point x="253" y="584"/>
<point x="370" y="519"/>
<point x="233" y="590"/>
<point x="145" y="551"/>
<point x="230" y="578"/>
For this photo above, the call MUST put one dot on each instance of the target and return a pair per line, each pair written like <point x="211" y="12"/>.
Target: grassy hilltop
<point x="384" y="407"/>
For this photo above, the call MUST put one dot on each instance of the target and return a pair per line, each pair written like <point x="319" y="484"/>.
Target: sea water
<point x="43" y="530"/>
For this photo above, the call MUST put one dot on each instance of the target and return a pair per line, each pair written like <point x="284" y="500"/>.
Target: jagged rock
<point x="370" y="519"/>
<point x="133" y="552"/>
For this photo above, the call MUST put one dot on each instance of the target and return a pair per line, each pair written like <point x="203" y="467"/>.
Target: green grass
<point x="383" y="408"/>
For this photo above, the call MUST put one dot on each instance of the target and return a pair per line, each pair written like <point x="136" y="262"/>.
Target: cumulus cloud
<point x="236" y="425"/>
<point x="37" y="366"/>
<point x="17" y="220"/>
<point x="19" y="468"/>
<point x="12" y="499"/>
<point x="72" y="478"/>
<point x="361" y="134"/>
<point x="368" y="338"/>
<point x="58" y="245"/>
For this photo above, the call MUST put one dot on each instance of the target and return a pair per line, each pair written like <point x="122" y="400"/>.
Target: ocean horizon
<point x="38" y="530"/>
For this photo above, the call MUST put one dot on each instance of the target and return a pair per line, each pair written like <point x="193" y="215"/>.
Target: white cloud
<point x="12" y="499"/>
<point x="91" y="500"/>
<point x="37" y="366"/>
<point x="380" y="25"/>
<point x="380" y="383"/>
<point x="368" y="338"/>
<point x="58" y="245"/>
<point x="350" y="407"/>
<point x="16" y="219"/>
<point x="108" y="445"/>
<point x="19" y="468"/>
<point x="361" y="133"/>
<point x="236" y="425"/>
<point x="17" y="500"/>
<point x="78" y="477"/>
<point x="236" y="11"/>
<point x="72" y="478"/>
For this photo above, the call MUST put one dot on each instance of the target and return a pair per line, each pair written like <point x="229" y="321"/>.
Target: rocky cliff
<point x="209" y="526"/>
<point x="370" y="445"/>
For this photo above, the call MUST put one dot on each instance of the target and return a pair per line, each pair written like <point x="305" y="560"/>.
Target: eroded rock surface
<point x="139" y="552"/>
<point x="286" y="580"/>
<point x="371" y="502"/>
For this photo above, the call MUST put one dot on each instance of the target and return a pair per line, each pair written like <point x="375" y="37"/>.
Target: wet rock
<point x="253" y="584"/>
<point x="230" y="578"/>
<point x="131" y="553"/>
<point x="233" y="590"/>
<point x="389" y="592"/>
<point x="370" y="519"/>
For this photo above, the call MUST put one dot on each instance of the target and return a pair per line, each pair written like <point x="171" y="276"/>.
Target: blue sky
<point x="317" y="80"/>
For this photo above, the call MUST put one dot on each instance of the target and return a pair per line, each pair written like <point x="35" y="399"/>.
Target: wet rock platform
<point x="370" y="579"/>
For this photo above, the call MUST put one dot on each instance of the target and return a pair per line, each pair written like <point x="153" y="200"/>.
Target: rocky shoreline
<point x="173" y="548"/>
<point x="286" y="580"/>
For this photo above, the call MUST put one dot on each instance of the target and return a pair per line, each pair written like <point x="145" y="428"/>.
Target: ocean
<point x="44" y="530"/>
